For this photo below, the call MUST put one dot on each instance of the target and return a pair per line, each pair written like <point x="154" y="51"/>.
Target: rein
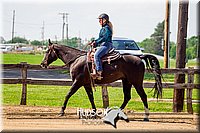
<point x="73" y="59"/>
<point x="51" y="49"/>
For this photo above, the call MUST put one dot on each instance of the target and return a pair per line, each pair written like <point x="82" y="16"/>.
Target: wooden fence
<point x="23" y="66"/>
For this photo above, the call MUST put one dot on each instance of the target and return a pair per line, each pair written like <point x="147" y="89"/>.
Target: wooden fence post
<point x="180" y="55"/>
<point x="24" y="84"/>
<point x="189" y="90"/>
<point x="105" y="97"/>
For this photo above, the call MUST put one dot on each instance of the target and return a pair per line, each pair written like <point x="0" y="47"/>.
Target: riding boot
<point x="97" y="75"/>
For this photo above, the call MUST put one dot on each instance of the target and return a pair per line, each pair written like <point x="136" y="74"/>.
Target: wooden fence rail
<point x="23" y="66"/>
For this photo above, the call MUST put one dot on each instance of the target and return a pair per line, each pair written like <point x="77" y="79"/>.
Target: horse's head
<point x="122" y="116"/>
<point x="113" y="115"/>
<point x="50" y="55"/>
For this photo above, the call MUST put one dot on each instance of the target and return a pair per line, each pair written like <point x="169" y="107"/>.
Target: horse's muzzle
<point x="43" y="65"/>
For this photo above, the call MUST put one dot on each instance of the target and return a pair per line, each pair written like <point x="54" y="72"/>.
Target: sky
<point x="135" y="19"/>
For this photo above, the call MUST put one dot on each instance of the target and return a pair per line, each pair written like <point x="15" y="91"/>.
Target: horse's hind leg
<point x="75" y="86"/>
<point x="127" y="92"/>
<point x="143" y="97"/>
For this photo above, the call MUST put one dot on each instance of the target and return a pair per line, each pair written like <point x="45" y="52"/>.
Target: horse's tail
<point x="154" y="67"/>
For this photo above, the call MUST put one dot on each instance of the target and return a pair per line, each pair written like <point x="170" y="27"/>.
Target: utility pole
<point x="79" y="40"/>
<point x="167" y="33"/>
<point x="198" y="47"/>
<point x="13" y="25"/>
<point x="67" y="26"/>
<point x="56" y="38"/>
<point x="178" y="98"/>
<point x="63" y="28"/>
<point x="42" y="33"/>
<point x="63" y="32"/>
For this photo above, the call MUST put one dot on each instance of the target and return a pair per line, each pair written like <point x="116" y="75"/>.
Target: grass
<point x="29" y="58"/>
<point x="172" y="64"/>
<point x="40" y="95"/>
<point x="36" y="59"/>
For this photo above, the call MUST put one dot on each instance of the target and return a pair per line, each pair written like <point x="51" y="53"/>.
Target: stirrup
<point x="96" y="76"/>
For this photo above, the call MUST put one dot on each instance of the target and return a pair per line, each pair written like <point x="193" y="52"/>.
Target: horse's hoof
<point x="127" y="120"/>
<point x="61" y="114"/>
<point x="146" y="119"/>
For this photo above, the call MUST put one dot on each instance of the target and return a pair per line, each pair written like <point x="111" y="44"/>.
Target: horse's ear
<point x="50" y="43"/>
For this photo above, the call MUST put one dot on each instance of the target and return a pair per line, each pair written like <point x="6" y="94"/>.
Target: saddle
<point x="110" y="56"/>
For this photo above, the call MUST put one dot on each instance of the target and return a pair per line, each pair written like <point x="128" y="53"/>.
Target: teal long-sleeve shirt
<point x="105" y="35"/>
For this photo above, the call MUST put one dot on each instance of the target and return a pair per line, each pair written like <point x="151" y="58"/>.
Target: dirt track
<point x="46" y="119"/>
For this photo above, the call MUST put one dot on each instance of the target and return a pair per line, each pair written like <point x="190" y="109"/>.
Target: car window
<point x="118" y="45"/>
<point x="125" y="45"/>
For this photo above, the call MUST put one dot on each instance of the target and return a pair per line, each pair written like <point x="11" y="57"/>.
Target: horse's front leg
<point x="88" y="89"/>
<point x="75" y="86"/>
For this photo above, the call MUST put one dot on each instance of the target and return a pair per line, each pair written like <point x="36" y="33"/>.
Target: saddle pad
<point x="111" y="56"/>
<point x="111" y="50"/>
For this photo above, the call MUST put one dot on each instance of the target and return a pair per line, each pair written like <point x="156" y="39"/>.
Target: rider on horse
<point x="105" y="43"/>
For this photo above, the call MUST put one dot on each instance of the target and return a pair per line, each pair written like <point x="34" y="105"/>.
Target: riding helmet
<point x="105" y="16"/>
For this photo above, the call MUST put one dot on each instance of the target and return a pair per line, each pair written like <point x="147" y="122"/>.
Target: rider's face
<point x="102" y="21"/>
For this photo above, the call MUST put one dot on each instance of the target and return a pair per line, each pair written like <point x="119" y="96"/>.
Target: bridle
<point x="51" y="49"/>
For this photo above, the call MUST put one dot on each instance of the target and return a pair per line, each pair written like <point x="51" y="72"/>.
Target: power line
<point x="30" y="24"/>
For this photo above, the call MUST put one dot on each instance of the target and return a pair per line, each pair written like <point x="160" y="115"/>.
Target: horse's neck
<point x="67" y="54"/>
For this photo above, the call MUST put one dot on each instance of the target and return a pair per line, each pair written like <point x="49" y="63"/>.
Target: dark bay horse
<point x="130" y="69"/>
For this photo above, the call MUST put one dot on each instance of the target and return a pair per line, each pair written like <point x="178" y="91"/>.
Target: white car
<point x="126" y="46"/>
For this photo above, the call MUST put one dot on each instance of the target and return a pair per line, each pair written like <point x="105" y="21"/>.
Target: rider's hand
<point x="92" y="43"/>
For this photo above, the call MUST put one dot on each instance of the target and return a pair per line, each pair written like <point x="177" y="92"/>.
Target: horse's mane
<point x="66" y="47"/>
<point x="75" y="53"/>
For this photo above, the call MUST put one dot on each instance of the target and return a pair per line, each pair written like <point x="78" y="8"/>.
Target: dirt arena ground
<point x="17" y="118"/>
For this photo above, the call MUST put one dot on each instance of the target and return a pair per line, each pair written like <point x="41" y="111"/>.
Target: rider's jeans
<point x="101" y="51"/>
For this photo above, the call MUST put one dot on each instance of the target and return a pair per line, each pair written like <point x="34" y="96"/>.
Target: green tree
<point x="191" y="48"/>
<point x="74" y="42"/>
<point x="158" y="36"/>
<point x="192" y="41"/>
<point x="148" y="45"/>
<point x="191" y="51"/>
<point x="154" y="43"/>
<point x="172" y="52"/>
<point x="36" y="42"/>
<point x="18" y="40"/>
